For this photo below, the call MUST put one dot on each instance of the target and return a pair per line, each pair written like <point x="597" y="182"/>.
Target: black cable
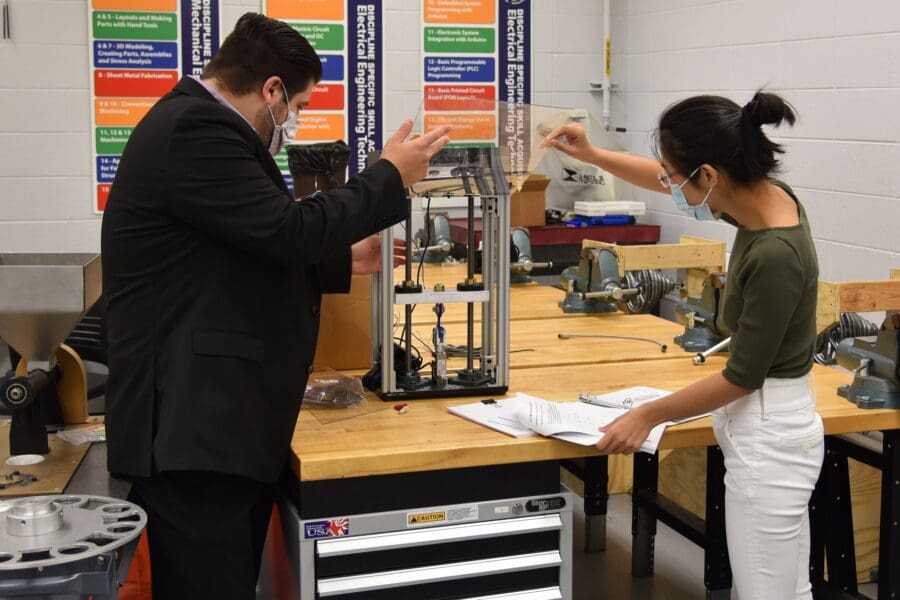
<point x="850" y="325"/>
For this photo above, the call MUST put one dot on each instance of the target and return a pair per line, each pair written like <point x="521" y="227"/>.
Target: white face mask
<point x="285" y="132"/>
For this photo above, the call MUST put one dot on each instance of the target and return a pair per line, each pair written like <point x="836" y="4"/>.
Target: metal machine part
<point x="15" y="478"/>
<point x="476" y="174"/>
<point x="67" y="545"/>
<point x="42" y="299"/>
<point x="567" y="336"/>
<point x="875" y="362"/>
<point x="523" y="264"/>
<point x="850" y="325"/>
<point x="435" y="243"/>
<point x="702" y="317"/>
<point x="701" y="357"/>
<point x="594" y="286"/>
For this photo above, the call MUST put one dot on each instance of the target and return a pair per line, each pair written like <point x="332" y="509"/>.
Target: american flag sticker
<point x="324" y="529"/>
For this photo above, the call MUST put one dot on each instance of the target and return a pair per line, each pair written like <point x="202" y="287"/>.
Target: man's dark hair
<point x="716" y="131"/>
<point x="259" y="48"/>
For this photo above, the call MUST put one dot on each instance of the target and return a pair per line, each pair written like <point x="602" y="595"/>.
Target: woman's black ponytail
<point x="715" y="130"/>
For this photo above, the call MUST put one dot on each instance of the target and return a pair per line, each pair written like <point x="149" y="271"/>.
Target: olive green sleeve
<point x="772" y="281"/>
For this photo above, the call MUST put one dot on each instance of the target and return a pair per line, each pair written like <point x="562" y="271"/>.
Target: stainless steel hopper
<point x="42" y="298"/>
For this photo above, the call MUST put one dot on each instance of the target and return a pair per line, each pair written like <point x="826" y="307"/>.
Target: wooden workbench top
<point x="536" y="343"/>
<point x="429" y="438"/>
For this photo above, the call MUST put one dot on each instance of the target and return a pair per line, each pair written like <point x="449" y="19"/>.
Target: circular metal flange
<point x="41" y="531"/>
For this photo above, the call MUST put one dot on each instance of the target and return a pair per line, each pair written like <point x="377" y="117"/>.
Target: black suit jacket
<point x="212" y="276"/>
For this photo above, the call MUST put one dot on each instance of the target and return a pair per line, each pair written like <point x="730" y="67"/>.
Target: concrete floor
<point x="678" y="570"/>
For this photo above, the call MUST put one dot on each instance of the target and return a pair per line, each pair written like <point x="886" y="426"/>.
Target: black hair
<point x="259" y="48"/>
<point x="715" y="130"/>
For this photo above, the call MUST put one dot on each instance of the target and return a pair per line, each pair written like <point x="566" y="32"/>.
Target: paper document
<point x="632" y="398"/>
<point x="500" y="415"/>
<point x="576" y="422"/>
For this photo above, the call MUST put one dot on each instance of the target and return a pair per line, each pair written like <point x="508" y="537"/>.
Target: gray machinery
<point x="435" y="241"/>
<point x="476" y="174"/>
<point x="67" y="546"/>
<point x="875" y="362"/>
<point x="523" y="265"/>
<point x="702" y="317"/>
<point x="594" y="286"/>
<point x="42" y="298"/>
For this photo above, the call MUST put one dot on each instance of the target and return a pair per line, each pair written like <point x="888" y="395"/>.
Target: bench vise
<point x="523" y="262"/>
<point x="702" y="316"/>
<point x="595" y="286"/>
<point x="875" y="362"/>
<point x="437" y="244"/>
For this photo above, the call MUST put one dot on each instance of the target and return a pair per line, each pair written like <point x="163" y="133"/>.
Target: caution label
<point x="451" y="514"/>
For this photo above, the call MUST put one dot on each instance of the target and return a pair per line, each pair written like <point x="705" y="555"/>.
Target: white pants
<point x="773" y="443"/>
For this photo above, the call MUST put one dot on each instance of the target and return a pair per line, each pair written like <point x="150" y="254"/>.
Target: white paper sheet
<point x="575" y="422"/>
<point x="500" y="416"/>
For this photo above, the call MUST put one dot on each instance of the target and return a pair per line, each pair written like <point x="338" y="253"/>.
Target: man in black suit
<point x="213" y="277"/>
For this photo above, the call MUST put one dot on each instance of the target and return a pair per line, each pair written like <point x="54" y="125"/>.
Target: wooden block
<point x="828" y="306"/>
<point x="869" y="296"/>
<point x="895" y="273"/>
<point x="693" y="253"/>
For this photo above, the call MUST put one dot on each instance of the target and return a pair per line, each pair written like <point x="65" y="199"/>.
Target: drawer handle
<point x="368" y="582"/>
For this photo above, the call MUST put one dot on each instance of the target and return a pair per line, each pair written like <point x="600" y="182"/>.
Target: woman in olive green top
<point x="716" y="162"/>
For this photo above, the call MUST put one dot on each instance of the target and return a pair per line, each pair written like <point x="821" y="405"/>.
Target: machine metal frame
<point x="480" y="175"/>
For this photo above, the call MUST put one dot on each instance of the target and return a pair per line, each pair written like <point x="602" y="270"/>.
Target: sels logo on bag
<point x="576" y="177"/>
<point x="322" y="529"/>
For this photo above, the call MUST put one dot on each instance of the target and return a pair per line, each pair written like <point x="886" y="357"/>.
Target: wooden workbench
<point x="428" y="437"/>
<point x="536" y="343"/>
<point x="376" y="441"/>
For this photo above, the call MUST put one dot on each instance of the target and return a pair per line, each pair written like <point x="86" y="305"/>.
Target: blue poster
<point x="332" y="67"/>
<point x="364" y="80"/>
<point x="133" y="54"/>
<point x="199" y="34"/>
<point x="459" y="69"/>
<point x="106" y="168"/>
<point x="514" y="36"/>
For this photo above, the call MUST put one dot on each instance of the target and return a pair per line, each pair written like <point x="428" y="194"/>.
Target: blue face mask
<point x="700" y="212"/>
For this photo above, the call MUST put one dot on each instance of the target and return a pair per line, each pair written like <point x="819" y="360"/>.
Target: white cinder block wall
<point x="45" y="142"/>
<point x="840" y="67"/>
<point x="839" y="64"/>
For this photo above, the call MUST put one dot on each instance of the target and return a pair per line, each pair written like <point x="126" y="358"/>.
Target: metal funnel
<point x="42" y="298"/>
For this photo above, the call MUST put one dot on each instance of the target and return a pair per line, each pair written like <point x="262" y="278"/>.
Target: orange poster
<point x="152" y="5"/>
<point x="315" y="10"/>
<point x="322" y="126"/>
<point x="460" y="12"/>
<point x="466" y="126"/>
<point x="121" y="112"/>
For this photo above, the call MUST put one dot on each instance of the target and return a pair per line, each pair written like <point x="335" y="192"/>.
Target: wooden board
<point x="428" y="438"/>
<point x="536" y="343"/>
<point x="52" y="475"/>
<point x="854" y="296"/>
<point x="690" y="253"/>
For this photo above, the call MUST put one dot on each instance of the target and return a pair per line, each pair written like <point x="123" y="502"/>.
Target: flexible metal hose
<point x="653" y="285"/>
<point x="850" y="325"/>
